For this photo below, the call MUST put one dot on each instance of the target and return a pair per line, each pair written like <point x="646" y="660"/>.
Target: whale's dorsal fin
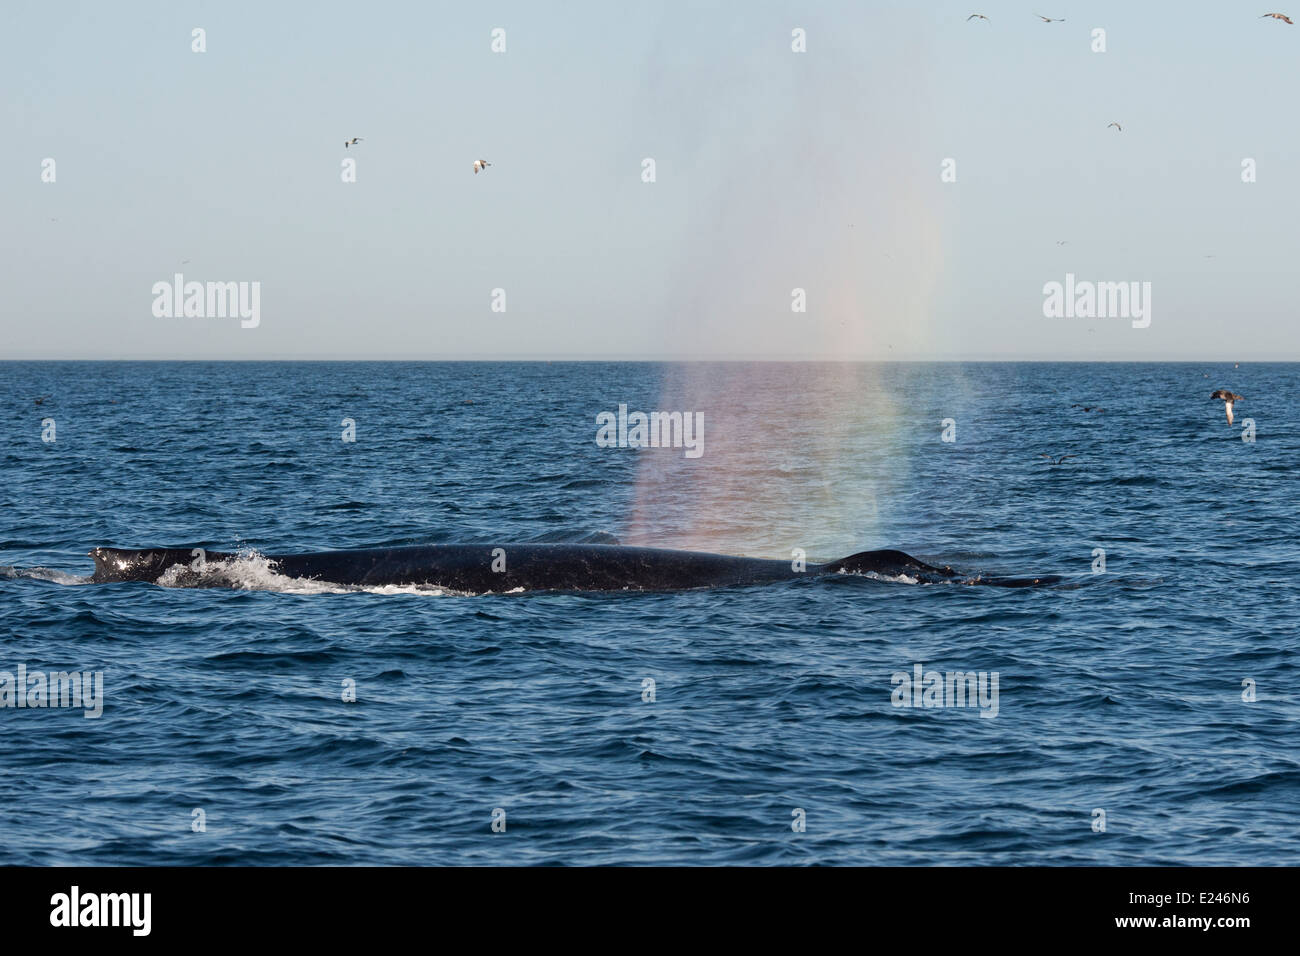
<point x="886" y="562"/>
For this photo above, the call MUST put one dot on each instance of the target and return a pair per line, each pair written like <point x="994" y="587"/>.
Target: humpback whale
<point x="488" y="568"/>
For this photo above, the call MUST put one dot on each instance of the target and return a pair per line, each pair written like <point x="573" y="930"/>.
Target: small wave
<point x="43" y="574"/>
<point x="1277" y="779"/>
<point x="1141" y="481"/>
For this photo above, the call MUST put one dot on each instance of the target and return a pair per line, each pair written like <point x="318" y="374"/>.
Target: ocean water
<point x="1119" y="690"/>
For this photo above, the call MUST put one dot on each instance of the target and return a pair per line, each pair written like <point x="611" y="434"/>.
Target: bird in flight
<point x="479" y="165"/>
<point x="1056" y="461"/>
<point x="976" y="16"/>
<point x="1225" y="396"/>
<point x="351" y="142"/>
<point x="1116" y="125"/>
<point x="1279" y="16"/>
<point x="1049" y="19"/>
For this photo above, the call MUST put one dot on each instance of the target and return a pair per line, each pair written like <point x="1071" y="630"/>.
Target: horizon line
<point x="668" y="360"/>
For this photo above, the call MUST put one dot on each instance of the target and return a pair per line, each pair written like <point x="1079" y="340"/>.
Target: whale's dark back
<point x="479" y="569"/>
<point x="482" y="568"/>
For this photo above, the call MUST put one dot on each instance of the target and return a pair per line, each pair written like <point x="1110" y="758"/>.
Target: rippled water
<point x="1120" y="691"/>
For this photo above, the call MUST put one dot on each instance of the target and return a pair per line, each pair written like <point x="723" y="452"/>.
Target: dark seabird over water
<point x="1227" y="397"/>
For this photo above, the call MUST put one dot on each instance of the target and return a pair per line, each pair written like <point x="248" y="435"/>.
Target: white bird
<point x="351" y="142"/>
<point x="479" y="165"/>
<point x="1227" y="398"/>
<point x="1116" y="125"/>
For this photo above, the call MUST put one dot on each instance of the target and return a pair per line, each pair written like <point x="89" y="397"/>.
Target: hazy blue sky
<point x="775" y="170"/>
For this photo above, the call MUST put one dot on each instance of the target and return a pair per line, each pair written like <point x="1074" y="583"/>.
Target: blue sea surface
<point x="1126" y="691"/>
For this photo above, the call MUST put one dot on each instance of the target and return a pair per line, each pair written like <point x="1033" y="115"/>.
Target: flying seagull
<point x="1056" y="461"/>
<point x="976" y="16"/>
<point x="1049" y="19"/>
<point x="480" y="165"/>
<point x="1116" y="125"/>
<point x="351" y="142"/>
<point x="1225" y="396"/>
<point x="1279" y="16"/>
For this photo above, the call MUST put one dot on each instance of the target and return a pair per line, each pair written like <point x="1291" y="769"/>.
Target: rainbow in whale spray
<point x="797" y="454"/>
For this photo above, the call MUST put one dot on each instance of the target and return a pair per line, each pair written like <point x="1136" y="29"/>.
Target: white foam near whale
<point x="250" y="570"/>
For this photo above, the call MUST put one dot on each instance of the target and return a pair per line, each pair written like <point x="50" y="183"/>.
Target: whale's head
<point x="122" y="564"/>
